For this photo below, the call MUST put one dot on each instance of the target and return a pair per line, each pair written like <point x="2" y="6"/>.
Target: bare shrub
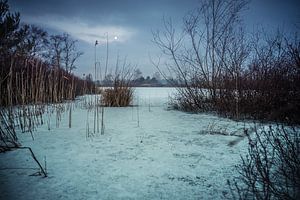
<point x="271" y="169"/>
<point x="269" y="86"/>
<point x="210" y="47"/>
<point x="220" y="69"/>
<point x="121" y="93"/>
<point x="117" y="96"/>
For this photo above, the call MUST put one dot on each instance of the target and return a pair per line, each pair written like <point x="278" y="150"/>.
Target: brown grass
<point x="118" y="96"/>
<point x="28" y="87"/>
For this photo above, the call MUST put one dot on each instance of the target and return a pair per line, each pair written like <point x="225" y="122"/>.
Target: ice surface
<point x="167" y="155"/>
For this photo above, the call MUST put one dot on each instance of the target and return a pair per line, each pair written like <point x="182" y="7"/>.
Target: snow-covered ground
<point x="167" y="155"/>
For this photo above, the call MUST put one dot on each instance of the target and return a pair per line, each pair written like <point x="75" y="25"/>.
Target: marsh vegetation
<point x="243" y="90"/>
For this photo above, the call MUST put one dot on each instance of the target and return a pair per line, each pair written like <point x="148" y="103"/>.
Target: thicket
<point x="222" y="69"/>
<point x="271" y="168"/>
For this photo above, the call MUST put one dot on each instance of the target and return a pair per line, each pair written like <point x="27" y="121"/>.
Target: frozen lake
<point x="154" y="96"/>
<point x="166" y="155"/>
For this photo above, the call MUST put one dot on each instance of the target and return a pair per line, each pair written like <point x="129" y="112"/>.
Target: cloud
<point x="84" y="31"/>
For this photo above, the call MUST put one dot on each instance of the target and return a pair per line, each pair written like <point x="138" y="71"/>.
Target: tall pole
<point x="106" y="65"/>
<point x="96" y="43"/>
<point x="105" y="73"/>
<point x="96" y="107"/>
<point x="237" y="94"/>
<point x="106" y="62"/>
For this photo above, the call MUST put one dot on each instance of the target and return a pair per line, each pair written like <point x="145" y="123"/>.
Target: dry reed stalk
<point x="102" y="121"/>
<point x="29" y="88"/>
<point x="138" y="113"/>
<point x="70" y="115"/>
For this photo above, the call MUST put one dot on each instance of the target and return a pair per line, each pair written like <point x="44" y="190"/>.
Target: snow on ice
<point x="168" y="155"/>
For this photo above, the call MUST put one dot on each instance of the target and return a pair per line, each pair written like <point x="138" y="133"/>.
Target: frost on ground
<point x="168" y="155"/>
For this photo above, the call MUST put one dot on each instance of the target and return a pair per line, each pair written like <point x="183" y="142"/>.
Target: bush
<point x="271" y="169"/>
<point x="120" y="95"/>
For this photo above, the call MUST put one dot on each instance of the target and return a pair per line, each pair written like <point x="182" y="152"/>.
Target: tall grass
<point x="28" y="87"/>
<point x="121" y="93"/>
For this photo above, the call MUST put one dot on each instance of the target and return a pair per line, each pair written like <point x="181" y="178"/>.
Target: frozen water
<point x="167" y="155"/>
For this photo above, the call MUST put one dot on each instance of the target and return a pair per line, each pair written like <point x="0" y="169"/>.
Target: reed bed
<point x="117" y="96"/>
<point x="31" y="88"/>
<point x="121" y="92"/>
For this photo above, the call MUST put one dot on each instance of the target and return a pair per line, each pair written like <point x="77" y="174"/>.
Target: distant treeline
<point x="138" y="80"/>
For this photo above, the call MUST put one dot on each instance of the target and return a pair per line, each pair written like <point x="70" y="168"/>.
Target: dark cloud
<point x="137" y="12"/>
<point x="274" y="13"/>
<point x="133" y="20"/>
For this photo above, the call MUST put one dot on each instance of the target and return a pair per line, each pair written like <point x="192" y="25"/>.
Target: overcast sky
<point x="132" y="21"/>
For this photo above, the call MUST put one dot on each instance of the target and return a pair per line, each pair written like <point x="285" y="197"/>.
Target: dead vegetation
<point x="271" y="168"/>
<point x="121" y="92"/>
<point x="35" y="77"/>
<point x="220" y="69"/>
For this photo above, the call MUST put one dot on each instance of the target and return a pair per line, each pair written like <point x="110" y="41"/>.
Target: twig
<point x="35" y="159"/>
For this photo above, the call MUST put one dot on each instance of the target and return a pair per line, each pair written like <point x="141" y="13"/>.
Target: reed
<point x="117" y="97"/>
<point x="29" y="88"/>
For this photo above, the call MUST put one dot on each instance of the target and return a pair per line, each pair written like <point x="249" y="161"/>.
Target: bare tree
<point x="70" y="53"/>
<point x="202" y="52"/>
<point x="63" y="52"/>
<point x="33" y="41"/>
<point x="56" y="50"/>
<point x="9" y="27"/>
<point x="28" y="83"/>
